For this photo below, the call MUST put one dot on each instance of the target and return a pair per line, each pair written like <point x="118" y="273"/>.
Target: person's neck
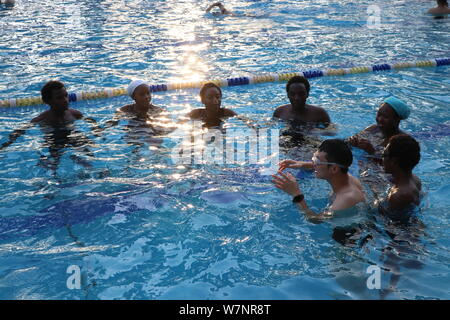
<point x="400" y="177"/>
<point x="141" y="109"/>
<point x="212" y="113"/>
<point x="390" y="133"/>
<point x="57" y="112"/>
<point x="300" y="109"/>
<point x="339" y="182"/>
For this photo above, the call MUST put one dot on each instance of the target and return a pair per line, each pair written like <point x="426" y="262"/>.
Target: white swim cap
<point x="133" y="85"/>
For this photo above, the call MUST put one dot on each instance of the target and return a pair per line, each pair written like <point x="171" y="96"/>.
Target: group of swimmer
<point x="384" y="142"/>
<point x="439" y="12"/>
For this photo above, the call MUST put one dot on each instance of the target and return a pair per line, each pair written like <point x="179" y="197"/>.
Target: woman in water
<point x="374" y="138"/>
<point x="213" y="113"/>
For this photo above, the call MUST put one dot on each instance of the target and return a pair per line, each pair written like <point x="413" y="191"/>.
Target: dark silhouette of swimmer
<point x="374" y="138"/>
<point x="145" y="120"/>
<point x="301" y="117"/>
<point x="213" y="114"/>
<point x="139" y="91"/>
<point x="298" y="111"/>
<point x="400" y="157"/>
<point x="57" y="125"/>
<point x="441" y="10"/>
<point x="220" y="6"/>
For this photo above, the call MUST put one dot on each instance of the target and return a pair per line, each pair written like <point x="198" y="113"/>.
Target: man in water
<point x="330" y="162"/>
<point x="298" y="111"/>
<point x="57" y="125"/>
<point x="400" y="157"/>
<point x="441" y="9"/>
<point x="55" y="95"/>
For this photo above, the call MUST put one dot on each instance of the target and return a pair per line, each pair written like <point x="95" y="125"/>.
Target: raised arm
<point x="288" y="184"/>
<point x="293" y="164"/>
<point x="221" y="7"/>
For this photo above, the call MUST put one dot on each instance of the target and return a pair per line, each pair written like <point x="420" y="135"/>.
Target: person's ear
<point x="335" y="169"/>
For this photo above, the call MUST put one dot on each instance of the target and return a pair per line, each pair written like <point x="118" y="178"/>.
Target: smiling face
<point x="142" y="95"/>
<point x="297" y="95"/>
<point x="212" y="99"/>
<point x="387" y="119"/>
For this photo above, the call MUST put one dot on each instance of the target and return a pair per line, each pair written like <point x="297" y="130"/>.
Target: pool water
<point x="141" y="227"/>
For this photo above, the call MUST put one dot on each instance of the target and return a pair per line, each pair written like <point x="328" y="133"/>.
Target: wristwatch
<point x="298" y="198"/>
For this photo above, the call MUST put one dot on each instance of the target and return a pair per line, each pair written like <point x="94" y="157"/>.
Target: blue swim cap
<point x="399" y="107"/>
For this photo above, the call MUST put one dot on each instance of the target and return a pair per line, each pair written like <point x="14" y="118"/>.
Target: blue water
<point x="140" y="227"/>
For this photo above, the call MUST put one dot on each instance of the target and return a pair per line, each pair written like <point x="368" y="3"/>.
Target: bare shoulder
<point x="196" y="113"/>
<point x="400" y="199"/>
<point x="40" y="117"/>
<point x="229" y="113"/>
<point x="369" y="130"/>
<point x="280" y="110"/>
<point x="126" y="108"/>
<point x="348" y="199"/>
<point x="320" y="113"/>
<point x="76" y="113"/>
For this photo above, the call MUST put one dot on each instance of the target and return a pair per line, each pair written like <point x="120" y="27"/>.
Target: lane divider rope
<point x="271" y="77"/>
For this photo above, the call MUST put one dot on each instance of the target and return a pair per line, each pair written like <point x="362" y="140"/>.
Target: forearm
<point x="310" y="215"/>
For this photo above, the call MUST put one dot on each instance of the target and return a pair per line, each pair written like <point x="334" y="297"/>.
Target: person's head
<point x="139" y="91"/>
<point x="442" y="3"/>
<point x="391" y="111"/>
<point x="55" y="95"/>
<point x="333" y="157"/>
<point x="402" y="152"/>
<point x="211" y="96"/>
<point x="297" y="90"/>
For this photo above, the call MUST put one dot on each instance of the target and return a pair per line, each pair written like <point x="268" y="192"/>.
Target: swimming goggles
<point x="317" y="162"/>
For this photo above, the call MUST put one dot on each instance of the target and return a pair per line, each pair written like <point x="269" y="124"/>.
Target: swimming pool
<point x="140" y="227"/>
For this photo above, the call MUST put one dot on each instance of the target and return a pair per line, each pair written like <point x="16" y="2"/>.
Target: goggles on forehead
<point x="317" y="162"/>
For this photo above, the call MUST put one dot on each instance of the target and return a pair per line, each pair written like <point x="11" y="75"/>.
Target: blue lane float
<point x="238" y="81"/>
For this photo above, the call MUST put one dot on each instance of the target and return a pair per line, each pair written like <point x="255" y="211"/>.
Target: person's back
<point x="442" y="8"/>
<point x="400" y="157"/>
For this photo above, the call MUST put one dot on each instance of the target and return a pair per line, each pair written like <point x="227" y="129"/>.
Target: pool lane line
<point x="270" y="77"/>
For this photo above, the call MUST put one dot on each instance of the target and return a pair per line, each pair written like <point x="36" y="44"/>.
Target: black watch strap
<point x="298" y="198"/>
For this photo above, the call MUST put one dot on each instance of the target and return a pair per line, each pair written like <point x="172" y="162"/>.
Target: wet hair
<point x="208" y="85"/>
<point x="406" y="149"/>
<point x="444" y="2"/>
<point x="298" y="79"/>
<point x="337" y="151"/>
<point x="48" y="88"/>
